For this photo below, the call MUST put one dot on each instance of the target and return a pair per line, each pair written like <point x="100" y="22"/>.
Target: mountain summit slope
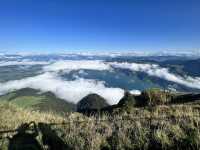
<point x="34" y="99"/>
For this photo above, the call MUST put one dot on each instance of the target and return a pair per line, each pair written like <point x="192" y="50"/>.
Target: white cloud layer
<point x="135" y="92"/>
<point x="71" y="91"/>
<point x="157" y="71"/>
<point x="150" y="69"/>
<point x="75" y="90"/>
<point x="23" y="62"/>
<point x="194" y="52"/>
<point x="69" y="65"/>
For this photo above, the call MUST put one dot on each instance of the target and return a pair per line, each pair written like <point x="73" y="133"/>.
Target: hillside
<point x="164" y="121"/>
<point x="35" y="100"/>
<point x="161" y="127"/>
<point x="148" y="98"/>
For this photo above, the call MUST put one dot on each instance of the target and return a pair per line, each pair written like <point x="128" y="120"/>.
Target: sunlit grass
<point x="166" y="127"/>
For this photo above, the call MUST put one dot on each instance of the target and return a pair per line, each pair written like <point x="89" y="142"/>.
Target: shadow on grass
<point x="26" y="138"/>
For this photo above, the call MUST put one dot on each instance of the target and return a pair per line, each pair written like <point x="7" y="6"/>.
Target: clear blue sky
<point x="53" y="25"/>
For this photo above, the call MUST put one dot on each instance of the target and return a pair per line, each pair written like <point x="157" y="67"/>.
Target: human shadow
<point x="26" y="138"/>
<point x="51" y="139"/>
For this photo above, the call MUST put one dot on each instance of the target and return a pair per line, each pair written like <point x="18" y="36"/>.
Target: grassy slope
<point x="12" y="116"/>
<point x="30" y="98"/>
<point x="168" y="127"/>
<point x="150" y="127"/>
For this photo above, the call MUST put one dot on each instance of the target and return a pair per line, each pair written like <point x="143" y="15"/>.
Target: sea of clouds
<point x="112" y="54"/>
<point x="69" y="65"/>
<point x="74" y="90"/>
<point x="163" y="73"/>
<point x="150" y="69"/>
<point x="24" y="62"/>
<point x="71" y="91"/>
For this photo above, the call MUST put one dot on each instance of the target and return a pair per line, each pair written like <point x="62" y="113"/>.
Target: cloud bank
<point x="71" y="91"/>
<point x="103" y="53"/>
<point x="75" y="90"/>
<point x="150" y="69"/>
<point x="22" y="62"/>
<point x="135" y="92"/>
<point x="163" y="73"/>
<point x="69" y="65"/>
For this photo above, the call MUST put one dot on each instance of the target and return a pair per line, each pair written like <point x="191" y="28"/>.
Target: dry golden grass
<point x="12" y="116"/>
<point x="161" y="127"/>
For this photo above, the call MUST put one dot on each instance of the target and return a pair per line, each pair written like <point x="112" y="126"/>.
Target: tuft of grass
<point x="156" y="96"/>
<point x="13" y="116"/>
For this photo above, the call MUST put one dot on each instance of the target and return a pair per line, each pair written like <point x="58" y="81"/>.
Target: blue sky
<point x="115" y="25"/>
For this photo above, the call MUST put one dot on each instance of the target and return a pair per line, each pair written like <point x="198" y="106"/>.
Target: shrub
<point x="155" y="97"/>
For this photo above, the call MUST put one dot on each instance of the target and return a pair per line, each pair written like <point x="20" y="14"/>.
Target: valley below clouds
<point x="72" y="79"/>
